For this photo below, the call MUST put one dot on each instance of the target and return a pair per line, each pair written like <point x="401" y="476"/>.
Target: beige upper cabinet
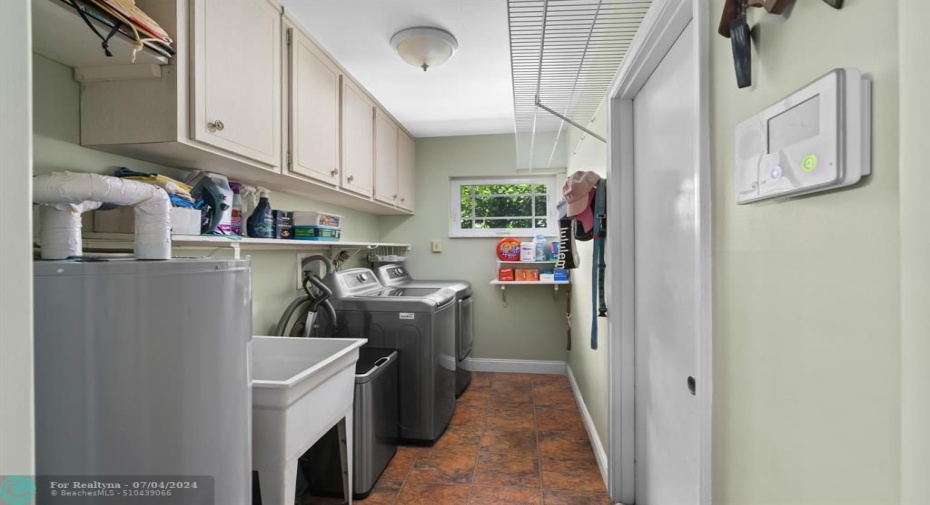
<point x="236" y="102"/>
<point x="385" y="158"/>
<point x="357" y="139"/>
<point x="314" y="110"/>
<point x="405" y="171"/>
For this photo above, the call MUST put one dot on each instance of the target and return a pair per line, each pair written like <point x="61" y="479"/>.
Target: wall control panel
<point x="817" y="139"/>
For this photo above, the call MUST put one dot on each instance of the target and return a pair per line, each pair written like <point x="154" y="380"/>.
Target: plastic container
<point x="315" y="218"/>
<point x="261" y="222"/>
<point x="508" y="249"/>
<point x="539" y="244"/>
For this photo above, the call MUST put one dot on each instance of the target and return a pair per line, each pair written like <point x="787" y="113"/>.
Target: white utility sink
<point x="301" y="387"/>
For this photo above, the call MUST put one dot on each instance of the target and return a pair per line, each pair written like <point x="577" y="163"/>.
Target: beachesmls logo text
<point x="17" y="490"/>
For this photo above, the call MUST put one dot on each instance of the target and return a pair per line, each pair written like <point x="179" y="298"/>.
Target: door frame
<point x="659" y="30"/>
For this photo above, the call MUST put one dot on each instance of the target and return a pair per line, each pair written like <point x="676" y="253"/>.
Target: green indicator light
<point x="809" y="163"/>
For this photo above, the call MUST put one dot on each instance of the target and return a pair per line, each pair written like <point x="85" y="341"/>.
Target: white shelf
<point x="124" y="241"/>
<point x="555" y="286"/>
<point x="525" y="283"/>
<point x="502" y="262"/>
<point x="60" y="34"/>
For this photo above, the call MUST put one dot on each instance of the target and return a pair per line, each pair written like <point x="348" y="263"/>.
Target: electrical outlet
<point x="436" y="245"/>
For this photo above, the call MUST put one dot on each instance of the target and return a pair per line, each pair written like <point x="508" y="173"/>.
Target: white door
<point x="357" y="139"/>
<point x="237" y="78"/>
<point x="385" y="158"/>
<point x="314" y="119"/>
<point x="405" y="170"/>
<point x="667" y="282"/>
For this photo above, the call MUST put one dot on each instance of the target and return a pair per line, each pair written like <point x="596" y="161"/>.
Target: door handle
<point x="692" y="385"/>
<point x="350" y="178"/>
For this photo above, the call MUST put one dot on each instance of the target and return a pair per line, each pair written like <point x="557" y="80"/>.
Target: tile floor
<point x="515" y="439"/>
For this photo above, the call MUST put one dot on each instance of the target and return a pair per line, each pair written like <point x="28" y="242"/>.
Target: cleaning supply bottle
<point x="539" y="240"/>
<point x="224" y="227"/>
<point x="261" y="222"/>
<point x="236" y="220"/>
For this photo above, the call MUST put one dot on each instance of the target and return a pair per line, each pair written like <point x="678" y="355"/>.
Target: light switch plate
<point x="436" y="245"/>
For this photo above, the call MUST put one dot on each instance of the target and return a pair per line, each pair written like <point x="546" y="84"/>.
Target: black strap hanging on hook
<point x="105" y="44"/>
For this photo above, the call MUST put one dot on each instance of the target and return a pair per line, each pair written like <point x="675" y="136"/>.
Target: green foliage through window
<point x="503" y="206"/>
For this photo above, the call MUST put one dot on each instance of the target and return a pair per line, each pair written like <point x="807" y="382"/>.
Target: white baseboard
<point x="515" y="366"/>
<point x="599" y="453"/>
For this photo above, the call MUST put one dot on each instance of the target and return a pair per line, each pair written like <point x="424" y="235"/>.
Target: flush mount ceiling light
<point x="424" y="46"/>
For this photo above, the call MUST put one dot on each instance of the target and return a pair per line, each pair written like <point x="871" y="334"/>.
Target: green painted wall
<point x="533" y="325"/>
<point x="807" y="328"/>
<point x="57" y="147"/>
<point x="589" y="366"/>
<point x="914" y="39"/>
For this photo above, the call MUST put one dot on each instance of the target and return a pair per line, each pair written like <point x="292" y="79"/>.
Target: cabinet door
<point x="357" y="139"/>
<point x="314" y="111"/>
<point x="237" y="78"/>
<point x="385" y="158"/>
<point x="406" y="181"/>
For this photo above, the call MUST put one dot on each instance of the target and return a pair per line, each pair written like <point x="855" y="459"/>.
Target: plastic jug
<point x="261" y="222"/>
<point x="539" y="241"/>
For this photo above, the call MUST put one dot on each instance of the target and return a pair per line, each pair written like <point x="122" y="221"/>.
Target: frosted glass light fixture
<point x="424" y="46"/>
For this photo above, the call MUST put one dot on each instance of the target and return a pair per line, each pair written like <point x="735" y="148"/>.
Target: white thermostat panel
<point x="818" y="138"/>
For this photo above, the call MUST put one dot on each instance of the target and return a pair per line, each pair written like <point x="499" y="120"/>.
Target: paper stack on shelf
<point x="124" y="17"/>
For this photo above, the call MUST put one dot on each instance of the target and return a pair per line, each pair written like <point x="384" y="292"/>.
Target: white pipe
<point x="69" y="194"/>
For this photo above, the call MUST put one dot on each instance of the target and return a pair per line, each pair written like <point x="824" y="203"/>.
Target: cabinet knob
<point x="350" y="178"/>
<point x="395" y="197"/>
<point x="216" y="125"/>
<point x="403" y="199"/>
<point x="333" y="172"/>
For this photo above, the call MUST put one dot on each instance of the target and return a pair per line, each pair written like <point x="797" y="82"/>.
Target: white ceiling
<point x="469" y="94"/>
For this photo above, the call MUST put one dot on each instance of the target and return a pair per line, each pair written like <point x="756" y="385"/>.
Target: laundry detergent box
<point x="283" y="224"/>
<point x="526" y="274"/>
<point x="505" y="274"/>
<point x="322" y="233"/>
<point x="527" y="251"/>
<point x="560" y="274"/>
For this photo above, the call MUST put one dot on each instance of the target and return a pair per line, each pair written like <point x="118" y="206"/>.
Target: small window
<point x="503" y="207"/>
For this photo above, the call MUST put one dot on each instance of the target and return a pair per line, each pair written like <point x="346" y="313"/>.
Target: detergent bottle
<point x="261" y="222"/>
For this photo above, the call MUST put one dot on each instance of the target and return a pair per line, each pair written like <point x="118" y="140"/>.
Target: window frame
<point x="552" y="199"/>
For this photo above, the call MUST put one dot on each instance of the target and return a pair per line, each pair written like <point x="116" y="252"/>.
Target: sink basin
<point x="301" y="387"/>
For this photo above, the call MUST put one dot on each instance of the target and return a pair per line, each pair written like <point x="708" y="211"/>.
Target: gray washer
<point x="420" y="325"/>
<point x="393" y="275"/>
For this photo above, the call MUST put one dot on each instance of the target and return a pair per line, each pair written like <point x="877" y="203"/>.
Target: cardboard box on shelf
<point x="526" y="274"/>
<point x="123" y="220"/>
<point x="505" y="274"/>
